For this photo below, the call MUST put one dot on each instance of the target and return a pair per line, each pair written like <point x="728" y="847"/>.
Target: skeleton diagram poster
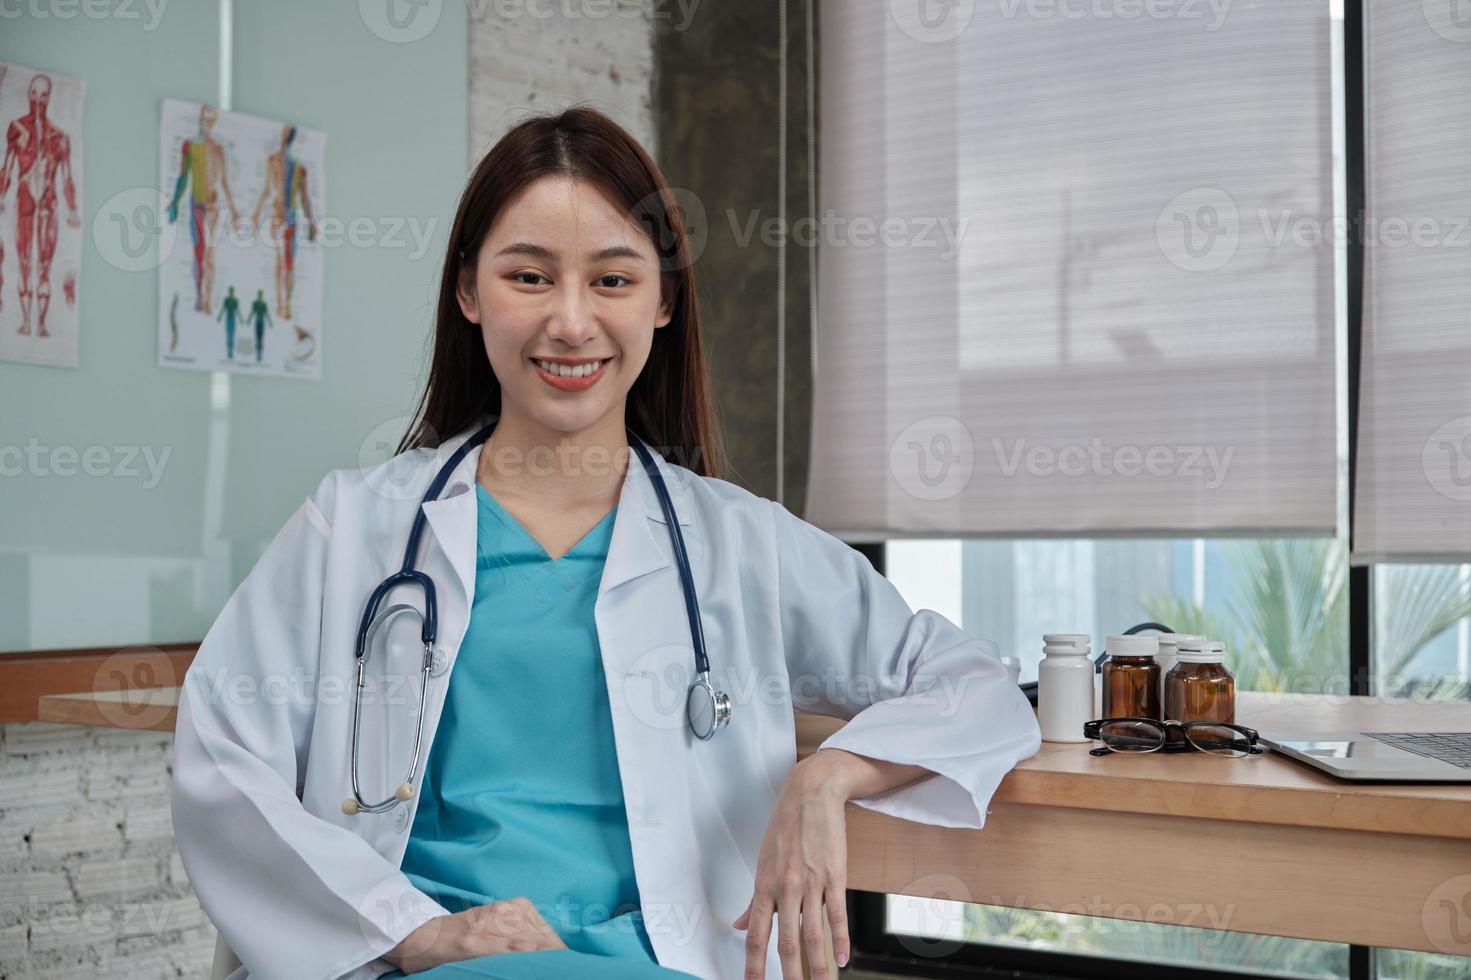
<point x="40" y="215"/>
<point x="240" y="272"/>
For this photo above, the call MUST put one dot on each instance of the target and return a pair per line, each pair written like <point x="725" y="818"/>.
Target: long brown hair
<point x="670" y="404"/>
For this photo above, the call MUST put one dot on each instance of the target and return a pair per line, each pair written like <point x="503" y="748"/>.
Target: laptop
<point x="1384" y="757"/>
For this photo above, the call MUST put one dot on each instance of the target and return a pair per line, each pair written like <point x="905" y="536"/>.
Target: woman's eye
<point x="603" y="280"/>
<point x="535" y="275"/>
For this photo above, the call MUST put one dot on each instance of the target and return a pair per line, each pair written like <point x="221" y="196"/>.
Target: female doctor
<point x="564" y="814"/>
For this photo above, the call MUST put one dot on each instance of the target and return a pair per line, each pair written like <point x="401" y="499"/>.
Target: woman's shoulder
<point x="400" y="480"/>
<point x="773" y="520"/>
<point x="712" y="495"/>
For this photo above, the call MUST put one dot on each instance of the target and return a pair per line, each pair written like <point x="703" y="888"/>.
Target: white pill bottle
<point x="1065" y="687"/>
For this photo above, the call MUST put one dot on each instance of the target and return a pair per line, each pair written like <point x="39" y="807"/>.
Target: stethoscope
<point x="706" y="709"/>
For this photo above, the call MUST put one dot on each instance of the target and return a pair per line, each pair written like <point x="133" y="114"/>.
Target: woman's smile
<point x="566" y="374"/>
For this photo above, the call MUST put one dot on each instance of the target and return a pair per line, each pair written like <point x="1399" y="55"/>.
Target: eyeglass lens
<point x="1131" y="736"/>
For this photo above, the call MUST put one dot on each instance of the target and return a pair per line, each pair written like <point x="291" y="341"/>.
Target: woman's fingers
<point x="510" y="925"/>
<point x="788" y="935"/>
<point x="541" y="927"/>
<point x="758" y="933"/>
<point x="799" y="925"/>
<point x="837" y="920"/>
<point x="743" y="920"/>
<point x="812" y="934"/>
<point x="550" y="939"/>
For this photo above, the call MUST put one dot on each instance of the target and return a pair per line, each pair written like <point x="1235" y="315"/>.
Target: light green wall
<point x="102" y="560"/>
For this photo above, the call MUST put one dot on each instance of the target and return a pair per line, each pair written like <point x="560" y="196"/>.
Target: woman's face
<point x="564" y="276"/>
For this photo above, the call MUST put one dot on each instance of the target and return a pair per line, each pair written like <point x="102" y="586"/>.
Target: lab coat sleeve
<point x="917" y="689"/>
<point x="293" y="895"/>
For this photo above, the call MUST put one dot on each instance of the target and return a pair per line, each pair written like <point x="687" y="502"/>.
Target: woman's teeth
<point x="568" y="371"/>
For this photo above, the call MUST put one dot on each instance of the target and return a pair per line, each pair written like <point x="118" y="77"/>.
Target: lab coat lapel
<point x="648" y="662"/>
<point x="640" y="542"/>
<point x="451" y="516"/>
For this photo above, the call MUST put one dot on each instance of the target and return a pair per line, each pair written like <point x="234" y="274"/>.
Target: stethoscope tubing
<point x="681" y="556"/>
<point x="409" y="575"/>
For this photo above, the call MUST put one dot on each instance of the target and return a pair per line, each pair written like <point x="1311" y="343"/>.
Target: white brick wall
<point x="90" y="882"/>
<point x="596" y="51"/>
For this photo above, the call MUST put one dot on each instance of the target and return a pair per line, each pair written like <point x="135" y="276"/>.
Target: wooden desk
<point x="1262" y="845"/>
<point x="152" y="709"/>
<point x="29" y="679"/>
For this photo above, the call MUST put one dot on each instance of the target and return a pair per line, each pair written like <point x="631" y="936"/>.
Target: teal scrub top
<point x="521" y="793"/>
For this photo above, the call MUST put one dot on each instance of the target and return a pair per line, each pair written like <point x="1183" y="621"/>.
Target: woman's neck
<point x="526" y="460"/>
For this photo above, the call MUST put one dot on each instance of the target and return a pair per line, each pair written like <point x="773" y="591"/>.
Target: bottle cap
<point x="1171" y="641"/>
<point x="1136" y="645"/>
<point x="1067" y="643"/>
<point x="1198" y="651"/>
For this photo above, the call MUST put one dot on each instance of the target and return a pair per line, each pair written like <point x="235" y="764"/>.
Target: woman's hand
<point x="510" y="926"/>
<point x="803" y="866"/>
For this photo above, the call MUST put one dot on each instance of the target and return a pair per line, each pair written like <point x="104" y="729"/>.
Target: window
<point x="923" y="922"/>
<point x="1422" y="633"/>
<point x="1280" y="605"/>
<point x="1280" y="601"/>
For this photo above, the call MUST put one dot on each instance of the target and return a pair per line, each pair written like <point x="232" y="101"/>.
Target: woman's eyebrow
<point x="542" y="252"/>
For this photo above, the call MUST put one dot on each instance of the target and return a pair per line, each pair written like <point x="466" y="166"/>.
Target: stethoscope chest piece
<point x="706" y="709"/>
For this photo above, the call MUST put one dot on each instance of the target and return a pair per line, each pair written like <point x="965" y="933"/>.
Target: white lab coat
<point x="791" y="614"/>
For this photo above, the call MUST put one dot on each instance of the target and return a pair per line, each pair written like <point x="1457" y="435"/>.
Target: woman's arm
<point x="291" y="893"/>
<point x="849" y="774"/>
<point x="934" y="722"/>
<point x="917" y="691"/>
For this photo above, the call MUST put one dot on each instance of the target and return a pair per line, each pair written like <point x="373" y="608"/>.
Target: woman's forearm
<point x="851" y="775"/>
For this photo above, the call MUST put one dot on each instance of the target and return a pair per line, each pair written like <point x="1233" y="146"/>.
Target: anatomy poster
<point x="240" y="273"/>
<point x="40" y="215"/>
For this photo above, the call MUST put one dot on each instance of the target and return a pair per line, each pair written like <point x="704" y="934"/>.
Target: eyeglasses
<point x="1151" y="735"/>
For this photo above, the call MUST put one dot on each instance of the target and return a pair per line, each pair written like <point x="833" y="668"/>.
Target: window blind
<point x="1076" y="272"/>
<point x="1413" y="493"/>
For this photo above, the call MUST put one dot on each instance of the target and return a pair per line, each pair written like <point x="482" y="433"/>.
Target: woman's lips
<point x="571" y="384"/>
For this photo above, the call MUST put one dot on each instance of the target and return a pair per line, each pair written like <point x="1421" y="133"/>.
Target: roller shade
<point x="1076" y="272"/>
<point x="1413" y="500"/>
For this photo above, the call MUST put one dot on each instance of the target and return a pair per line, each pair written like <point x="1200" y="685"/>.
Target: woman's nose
<point x="571" y="320"/>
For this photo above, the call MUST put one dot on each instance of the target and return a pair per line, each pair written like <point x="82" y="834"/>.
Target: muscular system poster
<point x="240" y="276"/>
<point x="40" y="215"/>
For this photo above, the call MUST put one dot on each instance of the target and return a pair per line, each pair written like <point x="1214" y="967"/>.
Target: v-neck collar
<point x="488" y="500"/>
<point x="637" y="546"/>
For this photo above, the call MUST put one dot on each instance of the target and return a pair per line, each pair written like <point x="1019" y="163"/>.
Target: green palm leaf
<point x="1284" y="619"/>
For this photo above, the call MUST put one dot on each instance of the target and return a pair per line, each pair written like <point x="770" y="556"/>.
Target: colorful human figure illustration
<point x="229" y="310"/>
<point x="38" y="152"/>
<point x="260" y="317"/>
<point x="285" y="191"/>
<point x="202" y="165"/>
